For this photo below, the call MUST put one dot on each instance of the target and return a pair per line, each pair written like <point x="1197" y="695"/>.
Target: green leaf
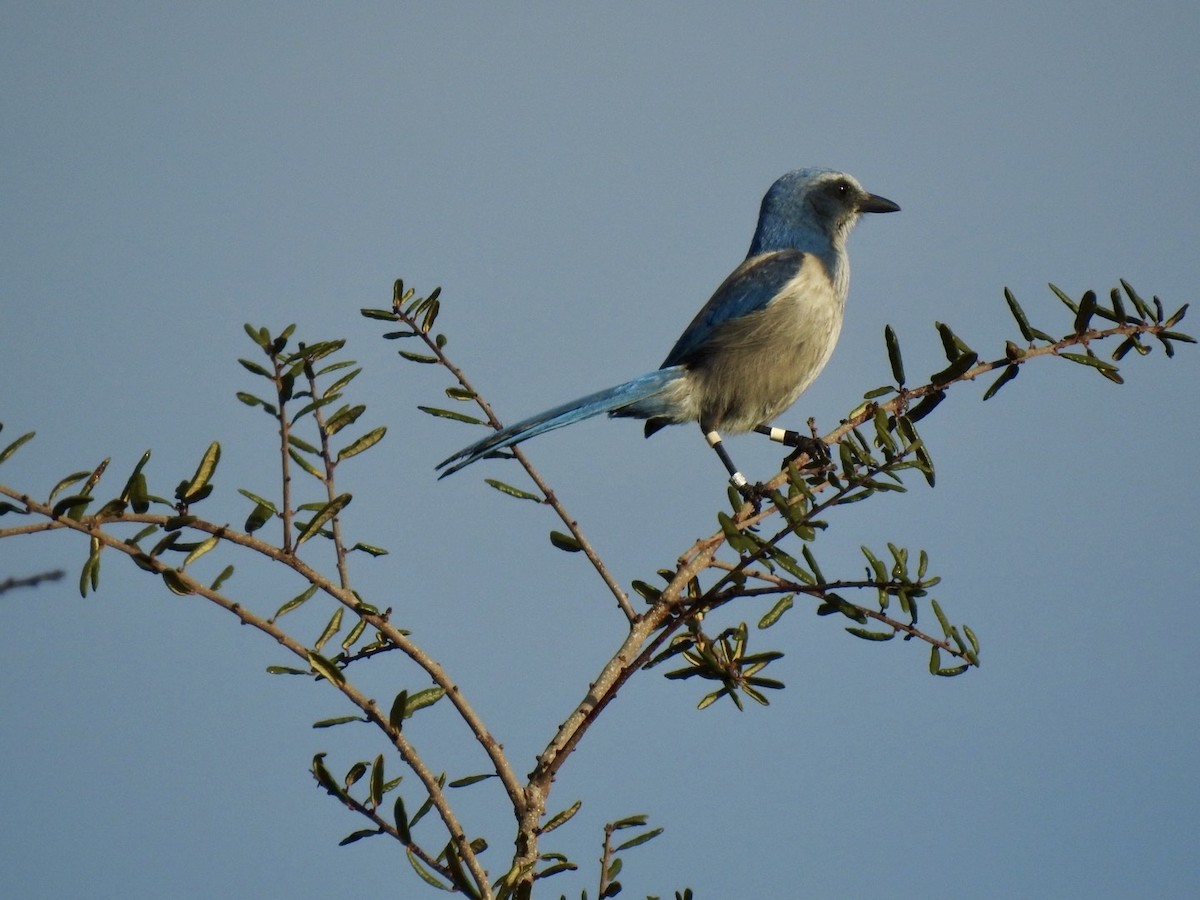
<point x="1087" y="309"/>
<point x="222" y="578"/>
<point x="1009" y="373"/>
<point x="285" y="670"/>
<point x="294" y="440"/>
<point x="738" y="540"/>
<point x="871" y="635"/>
<point x="72" y="507"/>
<point x="368" y="440"/>
<point x="376" y="787"/>
<point x="328" y="511"/>
<point x="399" y="711"/>
<point x="468" y="780"/>
<point x="16" y="445"/>
<point x="893" y="348"/>
<point x="1066" y="301"/>
<point x="341" y="383"/>
<point x="424" y="698"/>
<point x="401" y="820"/>
<point x="259" y="516"/>
<point x="647" y="592"/>
<point x="773" y="615"/>
<point x="343" y="417"/>
<point x="332" y="627"/>
<point x="260" y="336"/>
<point x="512" y="491"/>
<point x="952" y="344"/>
<point x="359" y="835"/>
<point x="325" y="668"/>
<point x="385" y="315"/>
<point x="561" y="818"/>
<point x="951" y="672"/>
<point x="630" y="822"/>
<point x="89" y="577"/>
<point x="201" y="548"/>
<point x="370" y="549"/>
<point x="418" y="357"/>
<point x="295" y="602"/>
<point x="340" y="720"/>
<point x="1107" y="369"/>
<point x="355" y="633"/>
<point x="194" y="490"/>
<point x="450" y="414"/>
<point x="460" y="393"/>
<point x="925" y="406"/>
<point x="1176" y="316"/>
<point x="135" y="490"/>
<point x="1143" y="308"/>
<point x="1027" y="331"/>
<point x="255" y="368"/>
<point x="959" y="367"/>
<point x="175" y="583"/>
<point x="640" y="839"/>
<point x="565" y="542"/>
<point x="71" y="479"/>
<point x="426" y="876"/>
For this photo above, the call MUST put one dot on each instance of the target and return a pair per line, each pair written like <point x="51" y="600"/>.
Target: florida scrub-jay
<point x="758" y="342"/>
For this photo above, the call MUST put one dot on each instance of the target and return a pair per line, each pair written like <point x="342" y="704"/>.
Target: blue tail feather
<point x="611" y="400"/>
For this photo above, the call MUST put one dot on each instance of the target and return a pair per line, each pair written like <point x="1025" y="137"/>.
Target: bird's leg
<point x="811" y="446"/>
<point x="752" y="492"/>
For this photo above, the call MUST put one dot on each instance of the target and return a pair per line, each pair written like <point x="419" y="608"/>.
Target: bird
<point x="755" y="346"/>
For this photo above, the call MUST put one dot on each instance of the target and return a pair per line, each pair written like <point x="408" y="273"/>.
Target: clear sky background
<point x="579" y="182"/>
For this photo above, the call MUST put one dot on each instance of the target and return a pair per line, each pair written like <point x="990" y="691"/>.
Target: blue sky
<point x="579" y="182"/>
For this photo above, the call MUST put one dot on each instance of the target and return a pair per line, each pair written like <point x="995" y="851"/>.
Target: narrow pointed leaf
<point x="375" y="796"/>
<point x="512" y="491"/>
<point x="222" y="578"/>
<point x="339" y="720"/>
<point x="331" y="628"/>
<point x="418" y="357"/>
<point x="1087" y="309"/>
<point x="424" y="698"/>
<point x="1027" y="331"/>
<point x="773" y="615"/>
<point x="325" y="668"/>
<point x="401" y="819"/>
<point x="255" y="368"/>
<point x="1066" y="301"/>
<point x="358" y="836"/>
<point x="399" y="710"/>
<point x="175" y="583"/>
<point x="561" y="818"/>
<point x="190" y="491"/>
<point x="957" y="368"/>
<point x="368" y="440"/>
<point x="202" y="548"/>
<point x="893" y="348"/>
<point x="295" y="602"/>
<point x="450" y="414"/>
<point x="1009" y="373"/>
<point x="640" y="839"/>
<point x="331" y="509"/>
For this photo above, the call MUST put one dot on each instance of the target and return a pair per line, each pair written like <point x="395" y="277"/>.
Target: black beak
<point x="875" y="204"/>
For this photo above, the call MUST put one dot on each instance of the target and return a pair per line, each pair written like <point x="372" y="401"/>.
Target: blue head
<point x="813" y="210"/>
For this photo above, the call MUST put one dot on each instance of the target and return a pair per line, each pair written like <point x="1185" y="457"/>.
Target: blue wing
<point x="749" y="288"/>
